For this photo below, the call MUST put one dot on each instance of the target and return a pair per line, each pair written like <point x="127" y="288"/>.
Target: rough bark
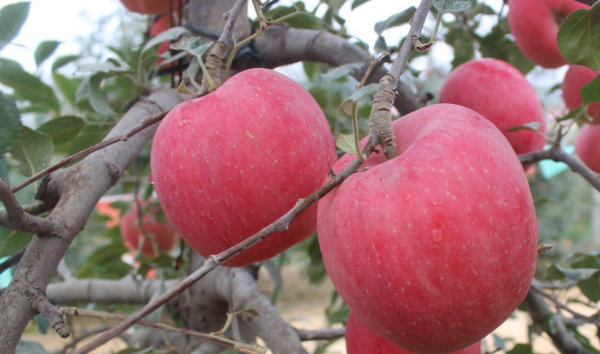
<point x="79" y="188"/>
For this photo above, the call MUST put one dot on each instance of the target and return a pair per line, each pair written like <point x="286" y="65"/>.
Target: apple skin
<point x="163" y="233"/>
<point x="499" y="92"/>
<point x="535" y="23"/>
<point x="360" y="339"/>
<point x="587" y="146"/>
<point x="230" y="163"/>
<point x="149" y="7"/>
<point x="576" y="77"/>
<point x="161" y="25"/>
<point x="436" y="248"/>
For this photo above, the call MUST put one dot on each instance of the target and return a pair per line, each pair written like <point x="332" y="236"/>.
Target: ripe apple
<point x="162" y="24"/>
<point x="360" y="339"/>
<point x="535" y="23"/>
<point x="150" y="7"/>
<point x="232" y="162"/>
<point x="587" y="146"/>
<point x="436" y="248"/>
<point x="500" y="93"/>
<point x="576" y="77"/>
<point x="158" y="235"/>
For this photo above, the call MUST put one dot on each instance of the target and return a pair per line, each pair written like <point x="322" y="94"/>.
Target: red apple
<point x="158" y="235"/>
<point x="230" y="163"/>
<point x="535" y="23"/>
<point x="113" y="214"/>
<point x="436" y="248"/>
<point x="587" y="146"/>
<point x="500" y="93"/>
<point x="151" y="7"/>
<point x="360" y="339"/>
<point x="162" y="24"/>
<point x="576" y="77"/>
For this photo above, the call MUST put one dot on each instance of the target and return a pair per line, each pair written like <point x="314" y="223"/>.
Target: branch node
<point x="45" y="308"/>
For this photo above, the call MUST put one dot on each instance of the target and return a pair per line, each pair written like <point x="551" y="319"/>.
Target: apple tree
<point x="240" y="184"/>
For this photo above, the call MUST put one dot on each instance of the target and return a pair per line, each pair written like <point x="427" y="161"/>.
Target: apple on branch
<point x="360" y="339"/>
<point x="576" y="77"/>
<point x="535" y="23"/>
<point x="499" y="92"/>
<point x="437" y="247"/>
<point x="230" y="163"/>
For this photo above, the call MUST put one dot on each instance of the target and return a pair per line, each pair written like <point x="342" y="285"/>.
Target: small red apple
<point x="576" y="77"/>
<point x="535" y="23"/>
<point x="499" y="92"/>
<point x="113" y="214"/>
<point x="232" y="162"/>
<point x="436" y="248"/>
<point x="360" y="339"/>
<point x="150" y="7"/>
<point x="162" y="24"/>
<point x="587" y="146"/>
<point x="158" y="235"/>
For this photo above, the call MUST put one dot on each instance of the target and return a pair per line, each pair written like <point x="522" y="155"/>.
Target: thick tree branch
<point x="542" y="315"/>
<point x="321" y="334"/>
<point x="79" y="188"/>
<point x="16" y="219"/>
<point x="559" y="155"/>
<point x="282" y="45"/>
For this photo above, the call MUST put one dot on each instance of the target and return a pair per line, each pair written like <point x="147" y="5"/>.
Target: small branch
<point x="12" y="260"/>
<point x="559" y="155"/>
<point x="565" y="285"/>
<point x="325" y="334"/>
<point x="535" y="287"/>
<point x="46" y="309"/>
<point x="145" y="123"/>
<point x="16" y="219"/>
<point x="230" y="17"/>
<point x="103" y="316"/>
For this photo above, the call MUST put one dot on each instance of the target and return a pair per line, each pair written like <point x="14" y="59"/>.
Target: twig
<point x="103" y="316"/>
<point x="328" y="333"/>
<point x="559" y="155"/>
<point x="565" y="285"/>
<point x="145" y="123"/>
<point x="12" y="260"/>
<point x="78" y="338"/>
<point x="16" y="219"/>
<point x="46" y="309"/>
<point x="535" y="287"/>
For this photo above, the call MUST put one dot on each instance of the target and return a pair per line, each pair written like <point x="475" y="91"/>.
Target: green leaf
<point x="341" y="71"/>
<point x="303" y="20"/>
<point x="577" y="112"/>
<point x="33" y="151"/>
<point x="380" y="45"/>
<point x="42" y="324"/>
<point x="171" y="34"/>
<point x="462" y="43"/>
<point x="521" y="349"/>
<point x="10" y="121"/>
<point x="554" y="273"/>
<point x="497" y="44"/>
<point x="67" y="87"/>
<point x="395" y="20"/>
<point x="62" y="129"/>
<point x="27" y="86"/>
<point x="321" y="95"/>
<point x="12" y="17"/>
<point x="90" y="89"/>
<point x="346" y="108"/>
<point x="346" y="143"/>
<point x="591" y="91"/>
<point x="64" y="60"/>
<point x="29" y="347"/>
<point x="590" y="287"/>
<point x="535" y="126"/>
<point x="579" y="37"/>
<point x="357" y="3"/>
<point x="12" y="241"/>
<point x="193" y="46"/>
<point x="452" y="5"/>
<point x="44" y="50"/>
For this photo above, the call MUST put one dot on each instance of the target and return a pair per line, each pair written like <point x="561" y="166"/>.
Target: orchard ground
<point x="303" y="305"/>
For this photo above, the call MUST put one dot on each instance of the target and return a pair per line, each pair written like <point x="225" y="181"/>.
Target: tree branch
<point x="535" y="286"/>
<point x="12" y="260"/>
<point x="542" y="315"/>
<point x="78" y="188"/>
<point x="45" y="308"/>
<point x="559" y="155"/>
<point x="321" y="334"/>
<point x="16" y="219"/>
